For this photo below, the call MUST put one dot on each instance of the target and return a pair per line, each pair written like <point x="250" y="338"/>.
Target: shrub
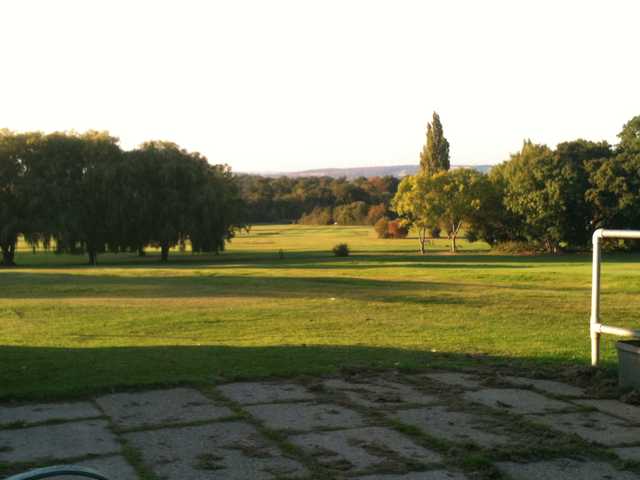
<point x="352" y="214"/>
<point x="517" y="247"/>
<point x="382" y="227"/>
<point x="376" y="212"/>
<point x="472" y="236"/>
<point x="620" y="245"/>
<point x="395" y="229"/>
<point x="341" y="250"/>
<point x="318" y="216"/>
<point x="435" y="232"/>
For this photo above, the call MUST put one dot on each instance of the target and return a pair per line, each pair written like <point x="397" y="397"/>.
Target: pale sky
<point x="291" y="85"/>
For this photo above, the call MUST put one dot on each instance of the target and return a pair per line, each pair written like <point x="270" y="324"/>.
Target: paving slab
<point x="564" y="469"/>
<point x="220" y="451"/>
<point x="160" y="407"/>
<point x="464" y="380"/>
<point x="516" y="400"/>
<point x="614" y="407"/>
<point x="379" y="393"/>
<point x="249" y="393"/>
<point x="548" y="386"/>
<point x="628" y="453"/>
<point x="593" y="427"/>
<point x="428" y="475"/>
<point x="115" y="467"/>
<point x="46" y="412"/>
<point x="305" y="416"/>
<point x="440" y="422"/>
<point x="363" y="448"/>
<point x="57" y="442"/>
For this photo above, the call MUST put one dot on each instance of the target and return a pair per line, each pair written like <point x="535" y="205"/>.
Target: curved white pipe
<point x="596" y="328"/>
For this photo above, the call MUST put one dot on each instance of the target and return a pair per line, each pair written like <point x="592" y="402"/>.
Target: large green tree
<point x="534" y="191"/>
<point x="13" y="195"/>
<point x="72" y="179"/>
<point x="545" y="189"/>
<point x="493" y="222"/>
<point x="614" y="191"/>
<point x="178" y="197"/>
<point x="435" y="153"/>
<point x="410" y="203"/>
<point x="630" y="136"/>
<point x="445" y="199"/>
<point x="98" y="204"/>
<point x="166" y="180"/>
<point x="574" y="160"/>
<point x="216" y="209"/>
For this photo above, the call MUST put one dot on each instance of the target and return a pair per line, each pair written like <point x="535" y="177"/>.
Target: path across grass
<point x="68" y="329"/>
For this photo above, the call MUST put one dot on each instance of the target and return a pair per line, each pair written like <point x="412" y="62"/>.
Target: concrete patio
<point x="388" y="426"/>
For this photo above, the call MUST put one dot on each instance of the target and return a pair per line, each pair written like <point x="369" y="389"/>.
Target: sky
<point x="292" y="85"/>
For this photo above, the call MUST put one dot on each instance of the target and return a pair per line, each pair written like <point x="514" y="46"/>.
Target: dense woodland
<point x="81" y="193"/>
<point x="317" y="200"/>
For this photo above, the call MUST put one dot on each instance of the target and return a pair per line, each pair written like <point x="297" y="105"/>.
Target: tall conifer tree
<point x="435" y="154"/>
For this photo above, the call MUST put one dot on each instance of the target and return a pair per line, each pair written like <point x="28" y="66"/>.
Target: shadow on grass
<point x="211" y="284"/>
<point x="311" y="259"/>
<point x="58" y="285"/>
<point x="320" y="260"/>
<point x="49" y="373"/>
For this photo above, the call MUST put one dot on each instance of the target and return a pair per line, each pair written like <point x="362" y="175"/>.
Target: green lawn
<point x="68" y="329"/>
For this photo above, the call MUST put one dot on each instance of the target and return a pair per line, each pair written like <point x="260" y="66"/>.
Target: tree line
<point x="317" y="200"/>
<point x="81" y="193"/>
<point x="550" y="199"/>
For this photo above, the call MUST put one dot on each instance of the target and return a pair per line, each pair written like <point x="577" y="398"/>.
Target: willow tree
<point x="216" y="208"/>
<point x="165" y="181"/>
<point x="12" y="195"/>
<point x="71" y="182"/>
<point x="178" y="197"/>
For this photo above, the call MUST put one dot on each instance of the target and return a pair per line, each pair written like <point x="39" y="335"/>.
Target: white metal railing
<point x="598" y="328"/>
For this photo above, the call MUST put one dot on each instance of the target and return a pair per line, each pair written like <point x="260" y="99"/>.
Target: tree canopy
<point x="82" y="193"/>
<point x="317" y="200"/>
<point x="552" y="198"/>
<point x="444" y="199"/>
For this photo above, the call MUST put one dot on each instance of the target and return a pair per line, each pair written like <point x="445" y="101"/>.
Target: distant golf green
<point x="68" y="329"/>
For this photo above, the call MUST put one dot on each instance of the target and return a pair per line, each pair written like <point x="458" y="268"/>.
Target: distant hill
<point x="351" y="173"/>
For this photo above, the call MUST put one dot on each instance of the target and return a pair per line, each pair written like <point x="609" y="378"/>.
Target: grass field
<point x="68" y="329"/>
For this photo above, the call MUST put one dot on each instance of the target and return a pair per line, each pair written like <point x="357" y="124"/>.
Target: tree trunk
<point x="164" y="252"/>
<point x="422" y="236"/>
<point x="8" y="255"/>
<point x="93" y="257"/>
<point x="453" y="235"/>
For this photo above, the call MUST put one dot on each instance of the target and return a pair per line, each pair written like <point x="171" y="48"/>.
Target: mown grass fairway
<point x="68" y="329"/>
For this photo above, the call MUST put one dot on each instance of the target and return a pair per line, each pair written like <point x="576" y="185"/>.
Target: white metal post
<point x="595" y="299"/>
<point x="596" y="328"/>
